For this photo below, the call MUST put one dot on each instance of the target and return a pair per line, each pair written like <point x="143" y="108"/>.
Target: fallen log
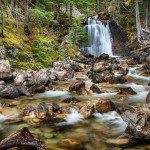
<point x="140" y="49"/>
<point x="21" y="138"/>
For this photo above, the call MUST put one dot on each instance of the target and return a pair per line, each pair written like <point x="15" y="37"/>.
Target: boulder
<point x="69" y="108"/>
<point x="148" y="98"/>
<point x="55" y="107"/>
<point x="87" y="110"/>
<point x="76" y="86"/>
<point x="69" y="74"/>
<point x="21" y="78"/>
<point x="148" y="59"/>
<point x="71" y="100"/>
<point x="5" y="71"/>
<point x="22" y="91"/>
<point x="9" y="92"/>
<point x="2" y="82"/>
<point x="58" y="77"/>
<point x="42" y="76"/>
<point x="104" y="106"/>
<point x="117" y="80"/>
<point x="126" y="91"/>
<point x="38" y="89"/>
<point x="99" y="67"/>
<point x="27" y="110"/>
<point x="95" y="88"/>
<point x="44" y="110"/>
<point x="103" y="56"/>
<point x="81" y="91"/>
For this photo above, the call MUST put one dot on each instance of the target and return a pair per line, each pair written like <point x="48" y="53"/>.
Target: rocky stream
<point x="91" y="103"/>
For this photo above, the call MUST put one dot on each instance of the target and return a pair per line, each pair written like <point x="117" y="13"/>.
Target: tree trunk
<point x="70" y="20"/>
<point x="26" y="12"/>
<point x="2" y="15"/>
<point x="26" y="28"/>
<point x="146" y="18"/>
<point x="12" y="5"/>
<point x="58" y="11"/>
<point x="23" y="139"/>
<point x="138" y="23"/>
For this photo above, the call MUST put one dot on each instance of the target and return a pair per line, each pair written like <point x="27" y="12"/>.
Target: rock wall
<point x="119" y="45"/>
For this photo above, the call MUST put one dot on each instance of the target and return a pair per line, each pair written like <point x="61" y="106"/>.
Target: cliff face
<point x="119" y="44"/>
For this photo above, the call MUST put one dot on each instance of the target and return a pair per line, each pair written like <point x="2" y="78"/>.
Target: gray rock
<point x="5" y="72"/>
<point x="22" y="91"/>
<point x="9" y="92"/>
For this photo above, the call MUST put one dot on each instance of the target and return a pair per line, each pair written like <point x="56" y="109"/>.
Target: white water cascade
<point x="100" y="40"/>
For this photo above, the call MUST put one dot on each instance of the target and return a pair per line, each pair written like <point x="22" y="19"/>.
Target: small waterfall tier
<point x="99" y="38"/>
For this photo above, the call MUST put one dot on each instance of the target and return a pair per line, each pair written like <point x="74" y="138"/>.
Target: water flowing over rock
<point x="100" y="39"/>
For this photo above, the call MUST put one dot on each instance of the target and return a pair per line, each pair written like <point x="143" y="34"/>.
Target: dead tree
<point x="2" y="16"/>
<point x="138" y="22"/>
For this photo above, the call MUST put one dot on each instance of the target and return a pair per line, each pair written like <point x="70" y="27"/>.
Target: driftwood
<point x="21" y="138"/>
<point x="140" y="49"/>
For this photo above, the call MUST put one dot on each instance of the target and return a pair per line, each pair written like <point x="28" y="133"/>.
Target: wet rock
<point x="149" y="84"/>
<point x="71" y="100"/>
<point x="76" y="67"/>
<point x="126" y="91"/>
<point x="5" y="72"/>
<point x="38" y="89"/>
<point x="117" y="80"/>
<point x="99" y="67"/>
<point x="69" y="74"/>
<point x="121" y="142"/>
<point x="81" y="91"/>
<point x="8" y="92"/>
<point x="22" y="91"/>
<point x="55" y="107"/>
<point x="43" y="110"/>
<point x="148" y="98"/>
<point x="69" y="108"/>
<point x="71" y="144"/>
<point x="103" y="56"/>
<point x="104" y="106"/>
<point x="95" y="88"/>
<point x="27" y="110"/>
<point x="87" y="110"/>
<point x="76" y="86"/>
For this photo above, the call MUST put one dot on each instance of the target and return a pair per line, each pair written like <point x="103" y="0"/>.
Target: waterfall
<point x="99" y="38"/>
